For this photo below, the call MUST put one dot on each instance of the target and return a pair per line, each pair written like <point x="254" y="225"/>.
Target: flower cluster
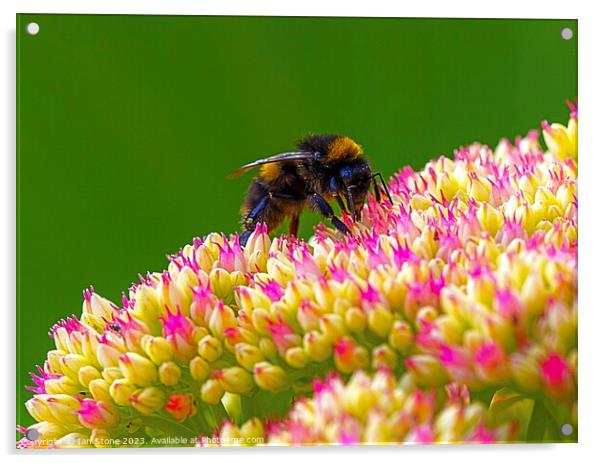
<point x="377" y="410"/>
<point x="469" y="277"/>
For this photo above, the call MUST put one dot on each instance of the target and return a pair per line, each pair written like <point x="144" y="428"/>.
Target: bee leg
<point x="293" y="226"/>
<point x="319" y="204"/>
<point x="384" y="185"/>
<point x="252" y="218"/>
<point x="376" y="190"/>
<point x="244" y="237"/>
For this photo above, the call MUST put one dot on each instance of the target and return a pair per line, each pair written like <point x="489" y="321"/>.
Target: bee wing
<point x="282" y="157"/>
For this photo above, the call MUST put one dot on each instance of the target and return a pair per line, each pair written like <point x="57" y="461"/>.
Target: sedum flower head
<point x="469" y="277"/>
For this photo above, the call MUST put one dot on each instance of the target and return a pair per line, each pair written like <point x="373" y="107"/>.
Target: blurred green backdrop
<point x="128" y="126"/>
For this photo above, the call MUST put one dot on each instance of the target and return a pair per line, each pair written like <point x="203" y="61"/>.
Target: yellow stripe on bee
<point x="270" y="172"/>
<point x="343" y="147"/>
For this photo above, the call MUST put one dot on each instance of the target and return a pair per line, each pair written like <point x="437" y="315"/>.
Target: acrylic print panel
<point x="436" y="305"/>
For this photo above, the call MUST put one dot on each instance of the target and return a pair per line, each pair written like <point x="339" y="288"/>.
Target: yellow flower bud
<point x="501" y="330"/>
<point x="355" y="319"/>
<point x="447" y="185"/>
<point x="86" y="374"/>
<point x="205" y="257"/>
<point x="62" y="385"/>
<point x="380" y="320"/>
<point x="236" y="380"/>
<point x="148" y="400"/>
<point x="308" y="315"/>
<point x="534" y="293"/>
<point x="259" y="241"/>
<point x="560" y="142"/>
<point x="147" y="307"/>
<point x="257" y="261"/>
<point x="248" y="355"/>
<point x="279" y="271"/>
<point x="401" y="337"/>
<point x="54" y="360"/>
<point x="61" y="339"/>
<point x="268" y="348"/>
<point x="450" y="328"/>
<point x="221" y="283"/>
<point x="169" y="374"/>
<point x="317" y="346"/>
<point x="481" y="288"/>
<point x="332" y="326"/>
<point x="199" y="333"/>
<point x="121" y="390"/>
<point x="107" y="356"/>
<point x="427" y="370"/>
<point x="110" y="374"/>
<point x="99" y="389"/>
<point x="261" y="320"/>
<point x="96" y="305"/>
<point x="71" y="364"/>
<point x="270" y="377"/>
<point x="324" y="295"/>
<point x="249" y="299"/>
<point x="566" y="194"/>
<point x="479" y="188"/>
<point x="38" y="409"/>
<point x="525" y="371"/>
<point x="222" y="317"/>
<point x="210" y="348"/>
<point x="199" y="369"/>
<point x="62" y="407"/>
<point x="212" y="392"/>
<point x="238" y="279"/>
<point x="138" y="369"/>
<point x="489" y="218"/>
<point x="296" y="357"/>
<point x="158" y="349"/>
<point x="420" y="202"/>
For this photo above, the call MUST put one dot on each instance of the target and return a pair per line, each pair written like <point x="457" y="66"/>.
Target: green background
<point x="128" y="126"/>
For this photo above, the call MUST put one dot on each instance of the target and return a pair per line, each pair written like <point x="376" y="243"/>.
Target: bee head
<point x="355" y="183"/>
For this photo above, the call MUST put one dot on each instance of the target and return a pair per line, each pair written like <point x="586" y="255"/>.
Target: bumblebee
<point x="324" y="167"/>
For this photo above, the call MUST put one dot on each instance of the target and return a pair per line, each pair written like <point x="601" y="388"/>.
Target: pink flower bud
<point x="179" y="331"/>
<point x="557" y="377"/>
<point x="94" y="414"/>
